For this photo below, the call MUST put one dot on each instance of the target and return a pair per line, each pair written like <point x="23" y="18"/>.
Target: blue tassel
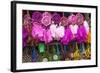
<point x="34" y="55"/>
<point x="65" y="48"/>
<point x="57" y="48"/>
<point x="82" y="47"/>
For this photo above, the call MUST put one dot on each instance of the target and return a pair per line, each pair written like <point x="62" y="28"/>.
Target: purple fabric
<point x="81" y="34"/>
<point x="67" y="37"/>
<point x="36" y="16"/>
<point x="56" y="18"/>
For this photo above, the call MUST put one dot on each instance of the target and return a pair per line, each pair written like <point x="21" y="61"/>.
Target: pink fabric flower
<point x="46" y="19"/>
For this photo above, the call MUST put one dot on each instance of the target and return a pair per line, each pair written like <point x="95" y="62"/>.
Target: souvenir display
<point x="49" y="35"/>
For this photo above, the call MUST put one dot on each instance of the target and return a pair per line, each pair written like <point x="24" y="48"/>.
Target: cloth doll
<point x="71" y="32"/>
